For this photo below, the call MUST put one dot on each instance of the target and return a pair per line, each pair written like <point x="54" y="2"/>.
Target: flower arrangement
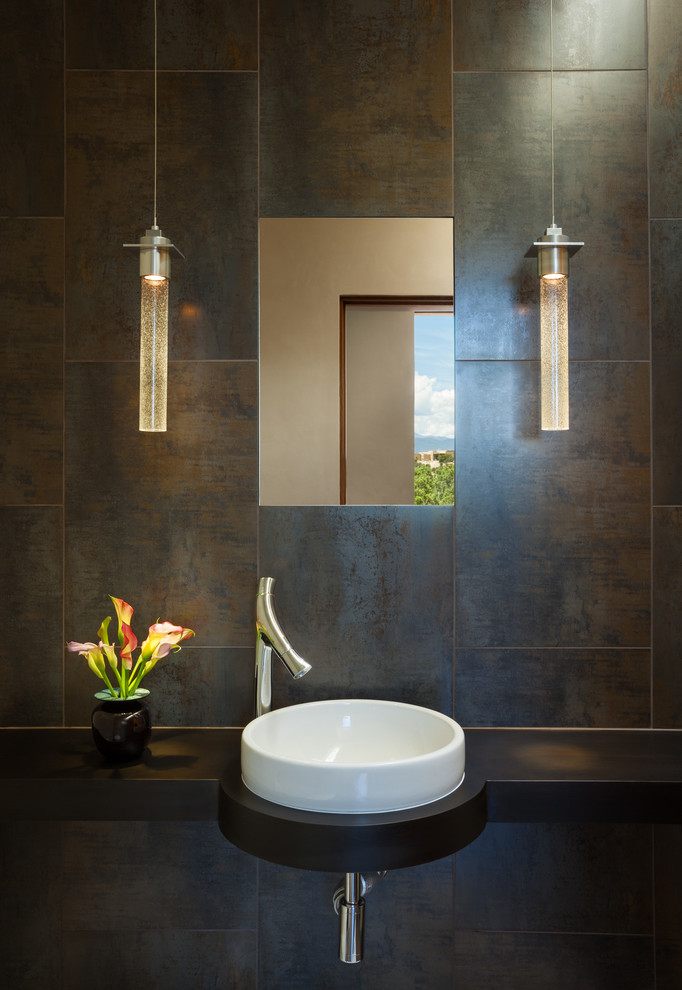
<point x="161" y="639"/>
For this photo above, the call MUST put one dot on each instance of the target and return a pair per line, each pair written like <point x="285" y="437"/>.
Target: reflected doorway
<point x="397" y="401"/>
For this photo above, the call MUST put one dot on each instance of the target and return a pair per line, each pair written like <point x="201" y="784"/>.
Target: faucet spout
<point x="270" y="638"/>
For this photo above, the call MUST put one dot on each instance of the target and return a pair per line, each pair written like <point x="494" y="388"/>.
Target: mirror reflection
<point x="356" y="361"/>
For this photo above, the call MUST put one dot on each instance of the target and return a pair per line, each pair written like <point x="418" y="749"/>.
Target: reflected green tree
<point x="435" y="486"/>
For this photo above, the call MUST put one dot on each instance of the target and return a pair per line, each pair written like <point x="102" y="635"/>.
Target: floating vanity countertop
<point x="58" y="775"/>
<point x="512" y="775"/>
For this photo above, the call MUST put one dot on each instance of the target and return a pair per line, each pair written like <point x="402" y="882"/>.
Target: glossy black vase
<point x="121" y="728"/>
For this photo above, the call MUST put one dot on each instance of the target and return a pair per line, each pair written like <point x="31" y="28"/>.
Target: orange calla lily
<point x="161" y="639"/>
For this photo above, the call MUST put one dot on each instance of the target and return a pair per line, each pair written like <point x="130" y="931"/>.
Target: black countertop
<point x="512" y="775"/>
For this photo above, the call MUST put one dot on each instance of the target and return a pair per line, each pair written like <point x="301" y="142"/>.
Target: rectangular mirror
<point x="340" y="397"/>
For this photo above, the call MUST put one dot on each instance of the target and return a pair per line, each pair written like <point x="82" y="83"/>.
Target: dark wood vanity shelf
<point x="512" y="775"/>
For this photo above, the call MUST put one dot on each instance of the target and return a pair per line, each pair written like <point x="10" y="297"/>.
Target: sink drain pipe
<point x="349" y="904"/>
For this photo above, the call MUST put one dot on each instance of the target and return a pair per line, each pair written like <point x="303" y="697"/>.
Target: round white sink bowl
<point x="352" y="756"/>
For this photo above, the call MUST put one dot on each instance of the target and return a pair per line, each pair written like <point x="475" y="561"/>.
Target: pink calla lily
<point x="82" y="648"/>
<point x="162" y="638"/>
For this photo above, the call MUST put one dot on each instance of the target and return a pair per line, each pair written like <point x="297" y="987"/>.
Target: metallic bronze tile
<point x="166" y="521"/>
<point x="503" y="203"/>
<point x="502" y="186"/>
<point x="365" y="594"/>
<point x="356" y="108"/>
<point x="600" y="34"/>
<point x="572" y="688"/>
<point x="175" y="960"/>
<point x="665" y="108"/>
<point x="30" y="866"/>
<point x="32" y="644"/>
<point x="553" y="529"/>
<point x="199" y="879"/>
<point x="666" y="357"/>
<point x="195" y="34"/>
<point x="206" y="203"/>
<point x="537" y="960"/>
<point x="32" y="109"/>
<point x="668" y="895"/>
<point x="500" y="35"/>
<point x="515" y="34"/>
<point x="601" y="199"/>
<point x="667" y="634"/>
<point x="571" y="878"/>
<point x="31" y="361"/>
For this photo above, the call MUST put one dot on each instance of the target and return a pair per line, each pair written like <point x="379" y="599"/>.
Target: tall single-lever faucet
<point x="270" y="638"/>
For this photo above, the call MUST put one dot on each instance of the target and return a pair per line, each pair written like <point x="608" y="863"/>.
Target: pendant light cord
<point x="551" y="94"/>
<point x="155" y="110"/>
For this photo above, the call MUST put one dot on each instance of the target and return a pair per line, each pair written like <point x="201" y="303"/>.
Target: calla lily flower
<point x="127" y="639"/>
<point x="161" y="639"/>
<point x="110" y="654"/>
<point x="82" y="648"/>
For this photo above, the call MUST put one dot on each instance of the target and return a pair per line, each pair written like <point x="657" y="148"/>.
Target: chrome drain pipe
<point x="349" y="904"/>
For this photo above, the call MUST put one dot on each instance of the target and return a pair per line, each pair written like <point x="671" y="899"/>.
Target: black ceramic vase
<point x="121" y="728"/>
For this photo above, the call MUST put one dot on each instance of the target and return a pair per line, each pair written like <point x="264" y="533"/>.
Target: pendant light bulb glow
<point x="553" y="250"/>
<point x="155" y="272"/>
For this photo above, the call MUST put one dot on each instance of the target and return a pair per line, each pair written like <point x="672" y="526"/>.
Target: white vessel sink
<point x="352" y="756"/>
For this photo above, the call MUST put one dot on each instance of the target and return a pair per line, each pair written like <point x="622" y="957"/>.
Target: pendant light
<point x="155" y="271"/>
<point x="553" y="250"/>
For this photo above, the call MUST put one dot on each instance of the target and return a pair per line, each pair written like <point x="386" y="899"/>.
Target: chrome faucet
<point x="270" y="638"/>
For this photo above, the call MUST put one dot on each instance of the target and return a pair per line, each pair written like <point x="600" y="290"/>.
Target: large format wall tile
<point x="503" y="203"/>
<point x="206" y="204"/>
<point x="571" y="878"/>
<point x="32" y="109"/>
<point x="408" y="931"/>
<point x="536" y="961"/>
<point x="569" y="688"/>
<point x="515" y="34"/>
<point x="172" y="960"/>
<point x="601" y="199"/>
<point x="666" y="357"/>
<point x="502" y="188"/>
<point x="356" y="108"/>
<point x="142" y="876"/>
<point x="500" y="35"/>
<point x="31" y="361"/>
<point x="665" y="107"/>
<point x="166" y="521"/>
<point x="30" y="905"/>
<point x="31" y="649"/>
<point x="365" y="594"/>
<point x="195" y="34"/>
<point x="667" y="633"/>
<point x="553" y="529"/>
<point x="202" y="687"/>
<point x="668" y="905"/>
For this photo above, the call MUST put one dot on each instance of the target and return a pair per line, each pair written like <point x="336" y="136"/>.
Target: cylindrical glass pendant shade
<point x="554" y="352"/>
<point x="153" y="354"/>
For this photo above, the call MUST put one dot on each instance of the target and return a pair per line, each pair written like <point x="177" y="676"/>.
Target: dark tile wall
<point x="563" y="606"/>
